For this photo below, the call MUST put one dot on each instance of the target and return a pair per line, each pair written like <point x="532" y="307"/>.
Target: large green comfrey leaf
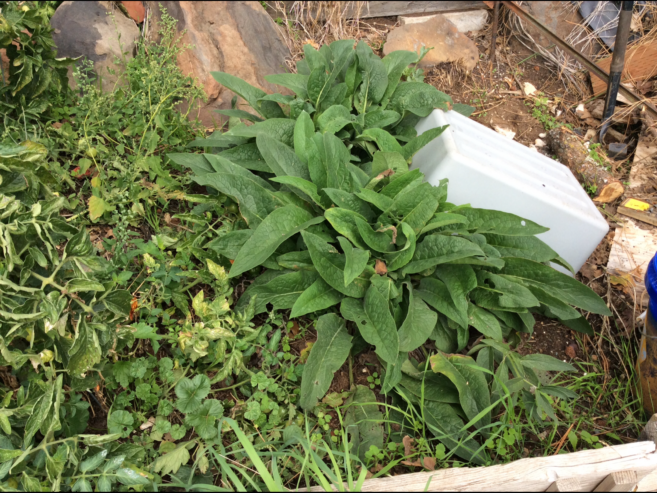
<point x="326" y="357"/>
<point x="274" y="230"/>
<point x="438" y="249"/>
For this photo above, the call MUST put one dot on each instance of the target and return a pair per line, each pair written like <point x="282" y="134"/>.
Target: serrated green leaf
<point x="190" y="393"/>
<point x="171" y="462"/>
<point x="204" y="418"/>
<point x="120" y="422"/>
<point x="326" y="357"/>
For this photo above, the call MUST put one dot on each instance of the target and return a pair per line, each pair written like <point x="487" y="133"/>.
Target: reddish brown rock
<point x="135" y="10"/>
<point x="448" y="44"/>
<point x="238" y="38"/>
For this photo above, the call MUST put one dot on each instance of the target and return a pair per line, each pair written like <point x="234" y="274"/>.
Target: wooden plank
<point x="649" y="432"/>
<point x="640" y="215"/>
<point x="569" y="484"/>
<point x="619" y="481"/>
<point x="387" y="9"/>
<point x="590" y="467"/>
<point x="640" y="64"/>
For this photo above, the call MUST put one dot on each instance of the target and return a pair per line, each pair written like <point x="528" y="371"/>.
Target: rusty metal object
<point x="588" y="64"/>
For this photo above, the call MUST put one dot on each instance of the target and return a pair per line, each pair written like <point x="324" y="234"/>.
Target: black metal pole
<point x="617" y="64"/>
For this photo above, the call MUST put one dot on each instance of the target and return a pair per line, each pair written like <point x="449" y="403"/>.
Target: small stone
<point x="571" y="350"/>
<point x="438" y="32"/>
<point x="528" y="88"/>
<point x="509" y="134"/>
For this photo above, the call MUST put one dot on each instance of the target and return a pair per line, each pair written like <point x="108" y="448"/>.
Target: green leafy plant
<point x="344" y="221"/>
<point x="36" y="76"/>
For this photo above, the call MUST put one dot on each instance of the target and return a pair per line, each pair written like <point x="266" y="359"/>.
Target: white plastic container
<point x="490" y="171"/>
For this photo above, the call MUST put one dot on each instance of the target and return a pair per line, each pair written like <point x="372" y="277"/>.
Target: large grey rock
<point x="238" y="38"/>
<point x="86" y="29"/>
<point x="438" y="32"/>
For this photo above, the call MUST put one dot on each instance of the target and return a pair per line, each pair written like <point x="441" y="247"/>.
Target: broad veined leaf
<point x="438" y="249"/>
<point x="314" y="148"/>
<point x="344" y="222"/>
<point x="418" y="325"/>
<point x="334" y="119"/>
<point x="380" y="241"/>
<point x="307" y="188"/>
<point x="383" y="139"/>
<point x="393" y="374"/>
<point x="279" y="129"/>
<point x="296" y="260"/>
<point x="219" y="140"/>
<point x="485" y="322"/>
<point x="383" y="161"/>
<point x="335" y="156"/>
<point x="282" y="292"/>
<point x="172" y="461"/>
<point x="409" y="150"/>
<point x="381" y="118"/>
<point x="204" y="418"/>
<point x="564" y="287"/>
<point x="196" y="162"/>
<point x="402" y="183"/>
<point x="498" y="222"/>
<point x="435" y="293"/>
<point x="471" y="383"/>
<point x="355" y="260"/>
<point x="230" y="244"/>
<point x="280" y="158"/>
<point x="378" y="200"/>
<point x="375" y="322"/>
<point x="249" y="93"/>
<point x="39" y="413"/>
<point x="459" y="280"/>
<point x="255" y="202"/>
<point x="191" y="392"/>
<point x="316" y="297"/>
<point x="373" y="73"/>
<point x="295" y="82"/>
<point x="245" y="115"/>
<point x="400" y="258"/>
<point x="513" y="294"/>
<point x="545" y="362"/>
<point x="304" y="130"/>
<point x="274" y="230"/>
<point x="326" y="357"/>
<point x="347" y="200"/>
<point x="418" y="98"/>
<point x="395" y="64"/>
<point x="421" y="211"/>
<point x="363" y="413"/>
<point x="222" y="165"/>
<point x="79" y="285"/>
<point x="330" y="265"/>
<point x="556" y="307"/>
<point x="430" y="386"/>
<point x="528" y="247"/>
<point x="247" y="156"/>
<point x="441" y="219"/>
<point x="446" y="424"/>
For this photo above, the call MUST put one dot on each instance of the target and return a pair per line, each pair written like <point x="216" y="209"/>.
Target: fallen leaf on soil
<point x="335" y="399"/>
<point x="294" y="330"/>
<point x="429" y="463"/>
<point x="380" y="267"/>
<point x="305" y="352"/>
<point x="407" y="441"/>
<point x="590" y="271"/>
<point x="417" y="463"/>
<point x="571" y="350"/>
<point x="528" y="88"/>
<point x="148" y="424"/>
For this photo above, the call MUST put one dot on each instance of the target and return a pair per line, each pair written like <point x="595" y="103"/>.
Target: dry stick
<point x="563" y="439"/>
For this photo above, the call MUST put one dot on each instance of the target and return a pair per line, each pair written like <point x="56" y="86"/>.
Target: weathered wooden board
<point x="640" y="65"/>
<point x="386" y="9"/>
<point x="589" y="467"/>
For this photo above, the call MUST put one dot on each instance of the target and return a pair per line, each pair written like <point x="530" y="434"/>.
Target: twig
<point x="563" y="439"/>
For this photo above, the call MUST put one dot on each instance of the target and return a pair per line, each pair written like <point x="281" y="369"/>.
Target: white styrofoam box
<point x="490" y="171"/>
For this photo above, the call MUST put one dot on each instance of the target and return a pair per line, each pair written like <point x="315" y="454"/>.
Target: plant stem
<point x="351" y="371"/>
